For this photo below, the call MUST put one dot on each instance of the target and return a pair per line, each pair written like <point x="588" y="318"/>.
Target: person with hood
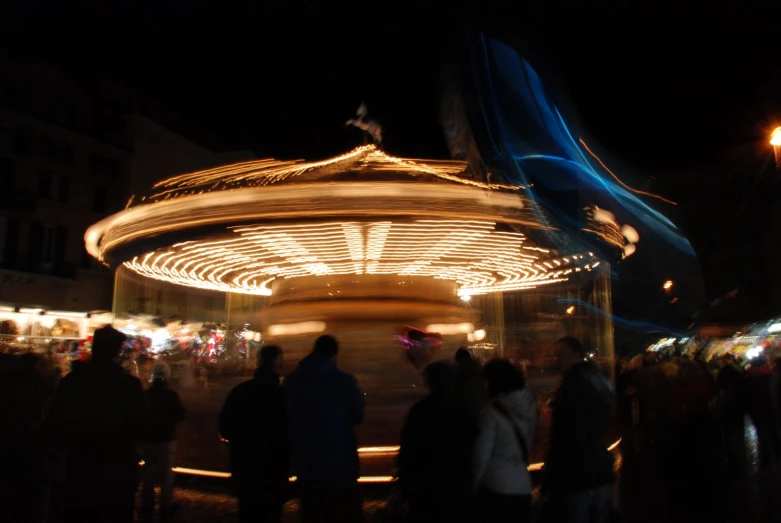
<point x="324" y="406"/>
<point x="578" y="472"/>
<point x="434" y="461"/>
<point x="254" y="421"/>
<point x="501" y="453"/>
<point x="96" y="418"/>
<point x="470" y="391"/>
<point x="167" y="411"/>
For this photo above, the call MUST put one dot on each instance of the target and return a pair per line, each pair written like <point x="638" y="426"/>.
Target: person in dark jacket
<point x="324" y="407"/>
<point x="435" y="472"/>
<point x="96" y="417"/>
<point x="470" y="388"/>
<point x="254" y="421"/>
<point x="578" y="472"/>
<point x="167" y="411"/>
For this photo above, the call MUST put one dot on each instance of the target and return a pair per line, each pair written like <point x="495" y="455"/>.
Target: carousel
<point x="403" y="260"/>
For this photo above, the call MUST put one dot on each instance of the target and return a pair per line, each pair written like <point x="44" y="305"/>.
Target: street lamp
<point x="775" y="141"/>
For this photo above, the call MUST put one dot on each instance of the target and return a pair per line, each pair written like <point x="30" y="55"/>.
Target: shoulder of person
<point x="345" y="378"/>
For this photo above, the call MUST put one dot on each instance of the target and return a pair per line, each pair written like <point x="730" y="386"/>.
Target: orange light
<point x="667" y="285"/>
<point x="625" y="186"/>
<point x="775" y="137"/>
<point x="571" y="309"/>
<point x="533" y="467"/>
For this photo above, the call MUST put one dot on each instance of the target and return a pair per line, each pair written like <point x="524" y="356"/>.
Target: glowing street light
<point x="667" y="285"/>
<point x="775" y="141"/>
<point x="571" y="310"/>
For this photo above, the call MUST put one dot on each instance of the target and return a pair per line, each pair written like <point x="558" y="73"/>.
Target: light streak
<point x="263" y="172"/>
<point x="294" y="202"/>
<point x="472" y="253"/>
<point x="530" y="138"/>
<point x="625" y="186"/>
<point x="533" y="467"/>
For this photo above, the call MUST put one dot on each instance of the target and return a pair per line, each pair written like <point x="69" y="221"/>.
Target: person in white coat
<point x="501" y="453"/>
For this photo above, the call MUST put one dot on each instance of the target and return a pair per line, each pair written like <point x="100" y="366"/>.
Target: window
<point x="102" y="166"/>
<point x="44" y="184"/>
<point x="48" y="245"/>
<point x="22" y="141"/>
<point x="63" y="189"/>
<point x="57" y="150"/>
<point x="6" y="174"/>
<point x="99" y="197"/>
<point x="53" y="186"/>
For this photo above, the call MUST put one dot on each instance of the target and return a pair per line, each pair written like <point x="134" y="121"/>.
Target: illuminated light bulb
<point x="775" y="137"/>
<point x="630" y="234"/>
<point x="466" y="297"/>
<point x="603" y="216"/>
<point x="629" y="250"/>
<point x="479" y="334"/>
<point x="571" y="309"/>
<point x="667" y="285"/>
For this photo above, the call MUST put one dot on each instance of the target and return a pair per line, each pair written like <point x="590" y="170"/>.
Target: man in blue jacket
<point x="324" y="407"/>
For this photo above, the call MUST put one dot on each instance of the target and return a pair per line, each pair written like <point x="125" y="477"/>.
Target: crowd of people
<point x="464" y="450"/>
<point x="687" y="425"/>
<point x="71" y="446"/>
<point x="73" y="449"/>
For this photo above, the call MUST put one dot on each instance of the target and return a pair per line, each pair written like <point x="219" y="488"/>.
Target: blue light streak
<point x="642" y="326"/>
<point x="534" y="145"/>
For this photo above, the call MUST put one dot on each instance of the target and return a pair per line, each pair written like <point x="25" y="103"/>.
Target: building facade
<point x="71" y="153"/>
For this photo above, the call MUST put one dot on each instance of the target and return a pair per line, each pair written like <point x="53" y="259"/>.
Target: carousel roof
<point x="366" y="163"/>
<point x="239" y="227"/>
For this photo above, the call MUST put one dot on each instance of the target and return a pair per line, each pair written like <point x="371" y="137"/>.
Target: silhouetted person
<point x="324" y="407"/>
<point x="96" y="418"/>
<point x="435" y="472"/>
<point x="157" y="448"/>
<point x="470" y="390"/>
<point x="254" y="421"/>
<point x="578" y="471"/>
<point x="756" y="393"/>
<point x="21" y="459"/>
<point x="502" y="447"/>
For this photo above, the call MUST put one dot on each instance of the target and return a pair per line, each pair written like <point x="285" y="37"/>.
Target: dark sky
<point x="660" y="90"/>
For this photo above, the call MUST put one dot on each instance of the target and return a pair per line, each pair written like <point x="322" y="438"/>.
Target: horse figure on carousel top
<point x="372" y="127"/>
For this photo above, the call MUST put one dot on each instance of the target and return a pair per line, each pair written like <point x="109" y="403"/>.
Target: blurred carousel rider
<point x="96" y="418"/>
<point x="254" y="421"/>
<point x="502" y="447"/>
<point x="167" y="411"/>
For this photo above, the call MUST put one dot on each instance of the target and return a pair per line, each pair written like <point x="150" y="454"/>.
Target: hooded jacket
<point x="499" y="463"/>
<point x="324" y="406"/>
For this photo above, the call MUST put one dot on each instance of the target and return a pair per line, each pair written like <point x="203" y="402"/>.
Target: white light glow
<point x="295" y="329"/>
<point x="473" y="253"/>
<point x="449" y="329"/>
<point x="630" y="233"/>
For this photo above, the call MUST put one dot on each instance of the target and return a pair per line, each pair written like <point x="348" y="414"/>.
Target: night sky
<point x="670" y="94"/>
<point x="661" y="91"/>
